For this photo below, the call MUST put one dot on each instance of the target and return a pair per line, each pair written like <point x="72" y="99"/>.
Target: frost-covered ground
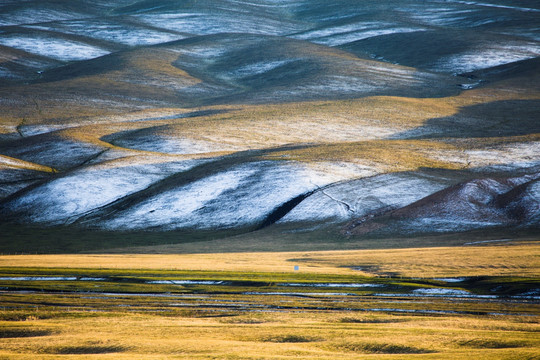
<point x="502" y="32"/>
<point x="362" y="197"/>
<point x="374" y="117"/>
<point x="475" y="204"/>
<point x="57" y="49"/>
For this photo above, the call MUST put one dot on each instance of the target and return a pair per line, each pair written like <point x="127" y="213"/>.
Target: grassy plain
<point x="315" y="335"/>
<point x="339" y="305"/>
<point x="506" y="259"/>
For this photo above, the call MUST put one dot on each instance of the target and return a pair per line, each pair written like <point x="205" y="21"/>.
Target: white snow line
<point x="487" y="241"/>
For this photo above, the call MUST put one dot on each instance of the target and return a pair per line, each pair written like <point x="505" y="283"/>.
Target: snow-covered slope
<point x="377" y="117"/>
<point x="475" y="204"/>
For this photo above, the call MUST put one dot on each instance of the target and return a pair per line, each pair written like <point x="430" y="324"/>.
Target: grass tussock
<point x="242" y="321"/>
<point x="490" y="344"/>
<point x="289" y="338"/>
<point x="378" y="348"/>
<point x="85" y="349"/>
<point x="25" y="315"/>
<point x="6" y="333"/>
<point x="368" y="320"/>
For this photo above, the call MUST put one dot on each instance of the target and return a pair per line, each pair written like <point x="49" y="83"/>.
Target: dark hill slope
<point x="479" y="203"/>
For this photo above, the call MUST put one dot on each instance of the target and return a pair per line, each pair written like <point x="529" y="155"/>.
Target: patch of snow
<point x="263" y="3"/>
<point x="505" y="155"/>
<point x="111" y="31"/>
<point x="239" y="196"/>
<point x="172" y="145"/>
<point x="206" y="52"/>
<point x="527" y="297"/>
<point x="471" y="85"/>
<point x="92" y="279"/>
<point x="341" y="84"/>
<point x="440" y="292"/>
<point x="356" y="198"/>
<point x="517" y="8"/>
<point x="178" y="207"/>
<point x="6" y="73"/>
<point x="186" y="282"/>
<point x="209" y="23"/>
<point x="65" y="198"/>
<point x="472" y="205"/>
<point x="451" y="280"/>
<point x="258" y="68"/>
<point x="299" y="293"/>
<point x="31" y="130"/>
<point x="59" y="49"/>
<point x="339" y="29"/>
<point x="341" y="39"/>
<point x="444" y="16"/>
<point x="533" y="294"/>
<point x="502" y="157"/>
<point x="486" y="241"/>
<point x="32" y="16"/>
<point x="488" y="57"/>
<point x="330" y="285"/>
<point x="443" y="223"/>
<point x="437" y="292"/>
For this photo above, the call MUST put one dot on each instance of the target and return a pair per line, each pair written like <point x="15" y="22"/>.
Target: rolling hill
<point x="207" y="119"/>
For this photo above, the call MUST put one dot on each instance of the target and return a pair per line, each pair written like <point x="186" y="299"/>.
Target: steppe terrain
<point x="269" y="179"/>
<point x="218" y="118"/>
<point x="478" y="301"/>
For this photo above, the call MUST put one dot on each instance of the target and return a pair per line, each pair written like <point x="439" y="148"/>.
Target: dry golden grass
<point x="9" y="162"/>
<point x="308" y="335"/>
<point x="521" y="259"/>
<point x="53" y="325"/>
<point x="387" y="155"/>
<point x="514" y="260"/>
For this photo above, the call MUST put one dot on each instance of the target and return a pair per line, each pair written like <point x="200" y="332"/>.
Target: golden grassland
<point x="389" y="155"/>
<point x="315" y="335"/>
<point x="79" y="321"/>
<point x="519" y="259"/>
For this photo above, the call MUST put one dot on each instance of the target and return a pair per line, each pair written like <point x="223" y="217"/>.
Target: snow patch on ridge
<point x="111" y="31"/>
<point x="59" y="49"/>
<point x="340" y="39"/>
<point x="487" y="58"/>
<point x="32" y="16"/>
<point x="258" y="68"/>
<point x="215" y="23"/>
<point x="64" y="199"/>
<point x="360" y="197"/>
<point x="517" y="8"/>
<point x="170" y="145"/>
<point x="240" y="196"/>
<point x="475" y="204"/>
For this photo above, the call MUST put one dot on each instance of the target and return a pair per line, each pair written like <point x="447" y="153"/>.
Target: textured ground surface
<point x="372" y="118"/>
